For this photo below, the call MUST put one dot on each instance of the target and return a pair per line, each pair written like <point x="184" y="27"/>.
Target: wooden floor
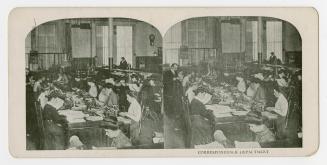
<point x="174" y="132"/>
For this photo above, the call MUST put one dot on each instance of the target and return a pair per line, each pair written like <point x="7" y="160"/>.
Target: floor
<point x="175" y="133"/>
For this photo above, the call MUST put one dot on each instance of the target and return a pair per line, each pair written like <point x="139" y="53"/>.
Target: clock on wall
<point x="152" y="37"/>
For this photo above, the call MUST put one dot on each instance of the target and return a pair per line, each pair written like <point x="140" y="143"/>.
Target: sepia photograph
<point x="93" y="84"/>
<point x="163" y="82"/>
<point x="232" y="82"/>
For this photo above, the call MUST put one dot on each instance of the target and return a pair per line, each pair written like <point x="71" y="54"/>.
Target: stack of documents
<point x="158" y="137"/>
<point x="73" y="116"/>
<point x="269" y="115"/>
<point x="94" y="118"/>
<point x="220" y="110"/>
<point x="123" y="120"/>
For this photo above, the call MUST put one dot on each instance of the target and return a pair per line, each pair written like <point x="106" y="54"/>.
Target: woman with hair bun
<point x="201" y="119"/>
<point x="134" y="113"/>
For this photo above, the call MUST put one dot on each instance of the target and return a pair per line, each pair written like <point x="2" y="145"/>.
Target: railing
<point x="188" y="56"/>
<point x="43" y="61"/>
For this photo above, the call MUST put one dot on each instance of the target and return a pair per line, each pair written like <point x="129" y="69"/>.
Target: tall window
<point x="251" y="41"/>
<point x="171" y="44"/>
<point x="47" y="38"/>
<point x="274" y="38"/>
<point x="231" y="38"/>
<point x="81" y="43"/>
<point x="46" y="43"/>
<point x="196" y="33"/>
<point x="125" y="43"/>
<point x="102" y="50"/>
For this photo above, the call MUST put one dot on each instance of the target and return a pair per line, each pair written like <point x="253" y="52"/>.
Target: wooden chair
<point x="40" y="124"/>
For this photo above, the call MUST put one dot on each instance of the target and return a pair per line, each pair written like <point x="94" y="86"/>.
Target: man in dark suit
<point x="123" y="63"/>
<point x="169" y="77"/>
<point x="272" y="59"/>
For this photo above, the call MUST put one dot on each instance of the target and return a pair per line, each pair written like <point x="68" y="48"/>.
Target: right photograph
<point x="232" y="82"/>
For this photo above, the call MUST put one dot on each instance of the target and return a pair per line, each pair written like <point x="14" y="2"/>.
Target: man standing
<point x="169" y="77"/>
<point x="123" y="63"/>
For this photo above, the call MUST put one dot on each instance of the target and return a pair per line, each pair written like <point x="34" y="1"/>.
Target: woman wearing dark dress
<point x="121" y="89"/>
<point x="201" y="119"/>
<point x="54" y="123"/>
<point x="31" y="122"/>
<point x="178" y="93"/>
<point x="146" y="96"/>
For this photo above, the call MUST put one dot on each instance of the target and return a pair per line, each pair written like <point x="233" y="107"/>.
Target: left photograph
<point x="94" y="84"/>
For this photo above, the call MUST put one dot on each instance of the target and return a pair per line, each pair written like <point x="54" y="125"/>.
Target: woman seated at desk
<point x="201" y="119"/>
<point x="38" y="88"/>
<point x="260" y="94"/>
<point x="107" y="96"/>
<point x="281" y="108"/>
<point x="134" y="113"/>
<point x="241" y="86"/>
<point x="121" y="88"/>
<point x="256" y="92"/>
<point x="135" y="84"/>
<point x="147" y="96"/>
<point x="93" y="90"/>
<point x="62" y="78"/>
<point x="54" y="123"/>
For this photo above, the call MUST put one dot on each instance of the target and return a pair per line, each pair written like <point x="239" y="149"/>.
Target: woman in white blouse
<point x="135" y="114"/>
<point x="241" y="86"/>
<point x="281" y="108"/>
<point x="93" y="91"/>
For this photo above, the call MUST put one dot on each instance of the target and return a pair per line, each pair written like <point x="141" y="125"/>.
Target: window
<point x="125" y="44"/>
<point x="251" y="41"/>
<point x="46" y="43"/>
<point x="274" y="38"/>
<point x="172" y="42"/>
<point x="102" y="43"/>
<point x="47" y="38"/>
<point x="231" y="38"/>
<point x="196" y="33"/>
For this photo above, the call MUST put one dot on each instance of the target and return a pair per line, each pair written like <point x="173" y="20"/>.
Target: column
<point x="260" y="39"/>
<point x="110" y="43"/>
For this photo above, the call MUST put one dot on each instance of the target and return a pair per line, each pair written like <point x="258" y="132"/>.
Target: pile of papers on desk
<point x="94" y="118"/>
<point x="240" y="113"/>
<point x="73" y="116"/>
<point x="220" y="110"/>
<point x="158" y="137"/>
<point x="269" y="115"/>
<point x="123" y="120"/>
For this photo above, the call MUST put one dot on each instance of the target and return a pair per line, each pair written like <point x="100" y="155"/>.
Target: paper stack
<point x="158" y="137"/>
<point x="220" y="110"/>
<point x="269" y="115"/>
<point x="123" y="120"/>
<point x="73" y="116"/>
